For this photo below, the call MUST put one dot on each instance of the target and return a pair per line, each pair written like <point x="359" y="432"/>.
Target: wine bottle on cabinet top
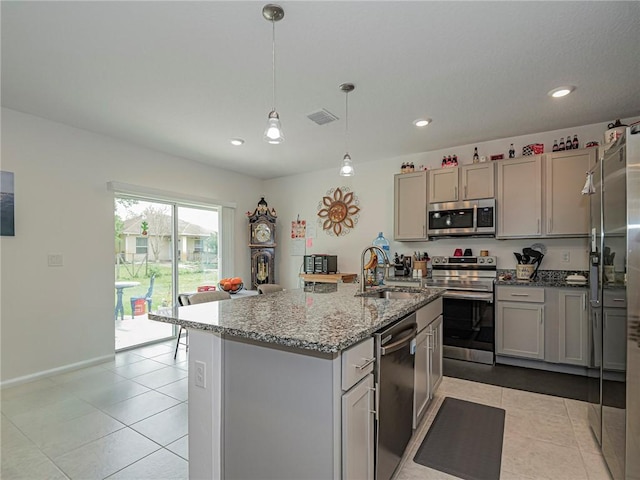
<point x="575" y="142"/>
<point x="568" y="144"/>
<point x="555" y="145"/>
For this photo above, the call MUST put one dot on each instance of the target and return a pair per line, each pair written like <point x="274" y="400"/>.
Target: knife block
<point x="421" y="265"/>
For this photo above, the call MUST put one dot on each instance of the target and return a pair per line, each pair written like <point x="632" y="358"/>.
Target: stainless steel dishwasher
<point x="395" y="361"/>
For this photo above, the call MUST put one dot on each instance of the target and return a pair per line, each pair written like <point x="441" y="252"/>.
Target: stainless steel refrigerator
<point x="614" y="376"/>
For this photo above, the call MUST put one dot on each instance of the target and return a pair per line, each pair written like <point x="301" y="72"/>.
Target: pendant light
<point x="346" y="170"/>
<point x="273" y="132"/>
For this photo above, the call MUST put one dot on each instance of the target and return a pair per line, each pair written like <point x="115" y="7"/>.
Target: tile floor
<point x="127" y="419"/>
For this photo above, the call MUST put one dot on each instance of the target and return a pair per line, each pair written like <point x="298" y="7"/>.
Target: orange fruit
<point x="236" y="281"/>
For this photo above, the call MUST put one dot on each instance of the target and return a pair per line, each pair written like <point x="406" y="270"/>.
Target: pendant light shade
<point x="273" y="132"/>
<point x="347" y="170"/>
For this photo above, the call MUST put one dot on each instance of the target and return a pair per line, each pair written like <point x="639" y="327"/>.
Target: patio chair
<point x="146" y="297"/>
<point x="269" y="288"/>
<point x="201" y="297"/>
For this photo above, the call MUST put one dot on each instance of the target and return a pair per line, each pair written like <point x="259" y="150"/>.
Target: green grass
<point x="190" y="277"/>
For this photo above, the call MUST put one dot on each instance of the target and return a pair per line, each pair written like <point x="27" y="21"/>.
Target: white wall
<point x="53" y="317"/>
<point x="373" y="184"/>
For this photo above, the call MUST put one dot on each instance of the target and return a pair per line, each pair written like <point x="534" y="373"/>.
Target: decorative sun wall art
<point x="338" y="211"/>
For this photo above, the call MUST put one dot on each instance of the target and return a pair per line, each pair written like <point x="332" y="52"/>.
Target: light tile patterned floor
<point x="127" y="419"/>
<point x="545" y="437"/>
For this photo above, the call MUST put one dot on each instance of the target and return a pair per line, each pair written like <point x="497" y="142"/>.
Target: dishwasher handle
<point x="404" y="338"/>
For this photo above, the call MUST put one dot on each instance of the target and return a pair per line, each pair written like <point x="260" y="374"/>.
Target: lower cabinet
<point x="573" y="327"/>
<point x="614" y="339"/>
<point x="428" y="358"/>
<point x="520" y="322"/>
<point x="358" y="409"/>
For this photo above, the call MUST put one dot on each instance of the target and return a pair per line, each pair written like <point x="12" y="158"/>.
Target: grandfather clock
<point x="262" y="242"/>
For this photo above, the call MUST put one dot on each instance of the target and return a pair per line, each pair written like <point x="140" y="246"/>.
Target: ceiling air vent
<point x="322" y="117"/>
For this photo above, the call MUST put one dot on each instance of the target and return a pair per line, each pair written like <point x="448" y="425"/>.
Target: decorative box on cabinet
<point x="410" y="206"/>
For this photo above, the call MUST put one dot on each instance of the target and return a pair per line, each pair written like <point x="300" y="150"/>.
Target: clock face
<point x="262" y="233"/>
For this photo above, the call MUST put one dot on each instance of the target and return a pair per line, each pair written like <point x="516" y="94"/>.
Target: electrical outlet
<point x="201" y="371"/>
<point x="566" y="257"/>
<point x="54" y="259"/>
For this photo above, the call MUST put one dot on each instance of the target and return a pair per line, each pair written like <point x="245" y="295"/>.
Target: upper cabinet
<point x="566" y="209"/>
<point x="468" y="182"/>
<point x="519" y="198"/>
<point x="410" y="206"/>
<point x="529" y="207"/>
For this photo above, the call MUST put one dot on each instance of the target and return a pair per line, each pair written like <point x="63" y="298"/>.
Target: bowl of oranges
<point x="231" y="285"/>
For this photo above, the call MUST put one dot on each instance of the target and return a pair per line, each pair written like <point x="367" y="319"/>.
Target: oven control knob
<point x="489" y="260"/>
<point x="481" y="260"/>
<point x="436" y="259"/>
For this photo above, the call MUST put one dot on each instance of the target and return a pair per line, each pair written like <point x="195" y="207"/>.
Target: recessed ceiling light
<point x="561" y="91"/>
<point x="422" y="122"/>
<point x="236" y="142"/>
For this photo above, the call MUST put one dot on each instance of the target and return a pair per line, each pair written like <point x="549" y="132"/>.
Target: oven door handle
<point x="457" y="294"/>
<point x="401" y="342"/>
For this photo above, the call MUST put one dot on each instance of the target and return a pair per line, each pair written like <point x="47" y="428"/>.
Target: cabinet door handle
<point x="465" y="192"/>
<point x="367" y="362"/>
<point x="538" y="229"/>
<point x="541" y="315"/>
<point x="549" y="226"/>
<point x="618" y="299"/>
<point x="584" y="302"/>
<point x="519" y="294"/>
<point x="455" y="193"/>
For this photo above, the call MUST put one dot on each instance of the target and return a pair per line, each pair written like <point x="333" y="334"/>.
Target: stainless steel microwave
<point x="456" y="219"/>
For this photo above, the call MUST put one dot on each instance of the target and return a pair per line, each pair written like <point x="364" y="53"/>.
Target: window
<point x="197" y="245"/>
<point x="142" y="245"/>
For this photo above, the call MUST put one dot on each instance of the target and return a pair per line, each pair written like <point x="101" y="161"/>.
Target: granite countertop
<point x="322" y="322"/>
<point x="545" y="278"/>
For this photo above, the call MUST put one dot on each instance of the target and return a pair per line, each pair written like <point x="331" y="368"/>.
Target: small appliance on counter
<point x="320" y="263"/>
<point x="402" y="265"/>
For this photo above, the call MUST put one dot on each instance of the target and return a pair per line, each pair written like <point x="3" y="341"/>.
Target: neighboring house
<point x="193" y="244"/>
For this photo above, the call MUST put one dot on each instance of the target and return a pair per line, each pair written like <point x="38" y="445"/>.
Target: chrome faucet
<point x="387" y="265"/>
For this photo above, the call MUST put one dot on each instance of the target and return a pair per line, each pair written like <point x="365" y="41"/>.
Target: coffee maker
<point x="402" y="265"/>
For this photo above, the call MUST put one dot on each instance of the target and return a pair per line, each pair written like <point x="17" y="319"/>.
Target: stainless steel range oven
<point x="468" y="315"/>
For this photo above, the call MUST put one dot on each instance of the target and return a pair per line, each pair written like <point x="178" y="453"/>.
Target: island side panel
<point x="205" y="406"/>
<point x="282" y="413"/>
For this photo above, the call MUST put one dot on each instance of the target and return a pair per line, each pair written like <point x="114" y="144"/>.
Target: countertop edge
<point x="298" y="343"/>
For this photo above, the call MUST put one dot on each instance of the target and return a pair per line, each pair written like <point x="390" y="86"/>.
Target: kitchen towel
<point x="465" y="440"/>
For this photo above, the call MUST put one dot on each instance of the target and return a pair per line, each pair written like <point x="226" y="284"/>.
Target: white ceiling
<point x="184" y="77"/>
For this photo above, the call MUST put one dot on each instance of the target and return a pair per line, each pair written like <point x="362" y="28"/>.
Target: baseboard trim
<point x="540" y="365"/>
<point x="56" y="371"/>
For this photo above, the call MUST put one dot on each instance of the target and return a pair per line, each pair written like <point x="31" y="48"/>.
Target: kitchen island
<point x="267" y="377"/>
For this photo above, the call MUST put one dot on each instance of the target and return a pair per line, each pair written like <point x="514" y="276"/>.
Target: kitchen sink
<point x="395" y="295"/>
<point x="390" y="294"/>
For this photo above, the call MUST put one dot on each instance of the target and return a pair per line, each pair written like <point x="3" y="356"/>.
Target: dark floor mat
<point x="464" y="440"/>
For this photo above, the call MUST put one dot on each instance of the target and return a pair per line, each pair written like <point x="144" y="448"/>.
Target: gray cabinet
<point x="520" y="322"/>
<point x="410" y="206"/>
<point x="519" y="198"/>
<point x="435" y="355"/>
<point x="358" y="409"/>
<point x="477" y="181"/>
<point x="566" y="209"/>
<point x="614" y="334"/>
<point x="573" y="327"/>
<point x="540" y="196"/>
<point x="428" y="358"/>
<point x="468" y="182"/>
<point x="358" y="431"/>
